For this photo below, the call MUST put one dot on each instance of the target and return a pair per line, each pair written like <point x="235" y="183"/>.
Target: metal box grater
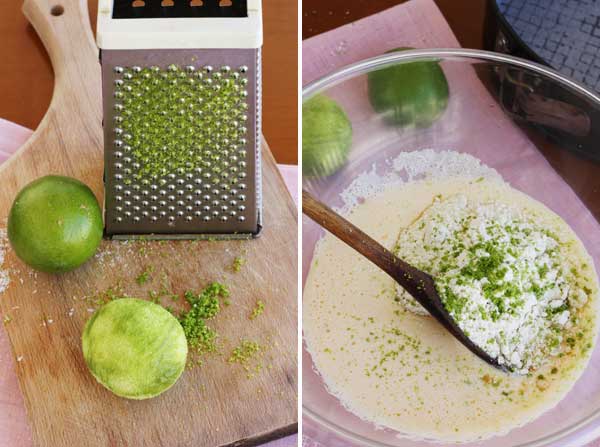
<point x="181" y="84"/>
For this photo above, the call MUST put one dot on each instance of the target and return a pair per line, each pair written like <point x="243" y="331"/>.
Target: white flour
<point x="506" y="280"/>
<point x="411" y="166"/>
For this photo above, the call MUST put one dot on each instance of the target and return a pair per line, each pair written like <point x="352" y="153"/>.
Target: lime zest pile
<point x="245" y="354"/>
<point x="258" y="310"/>
<point x="204" y="306"/>
<point x="238" y="263"/>
<point x="144" y="277"/>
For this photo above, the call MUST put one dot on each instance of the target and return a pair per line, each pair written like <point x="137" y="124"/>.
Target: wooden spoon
<point x="416" y="282"/>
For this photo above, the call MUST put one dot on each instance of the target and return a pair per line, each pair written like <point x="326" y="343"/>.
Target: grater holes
<point x="209" y="150"/>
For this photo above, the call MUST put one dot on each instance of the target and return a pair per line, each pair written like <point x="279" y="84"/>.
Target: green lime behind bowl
<point x="411" y="93"/>
<point x="55" y="224"/>
<point x="326" y="136"/>
<point x="135" y="348"/>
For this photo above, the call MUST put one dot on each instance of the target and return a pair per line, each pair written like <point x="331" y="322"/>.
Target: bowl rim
<point x="378" y="62"/>
<point x="367" y="65"/>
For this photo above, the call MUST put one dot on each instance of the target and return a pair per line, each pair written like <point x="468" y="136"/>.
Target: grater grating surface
<point x="181" y="131"/>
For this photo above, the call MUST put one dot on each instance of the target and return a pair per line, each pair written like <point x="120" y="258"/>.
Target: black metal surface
<point x="565" y="34"/>
<point x="557" y="113"/>
<point x="156" y="9"/>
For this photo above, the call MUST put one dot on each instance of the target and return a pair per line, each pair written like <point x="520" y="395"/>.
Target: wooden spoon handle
<point x="416" y="282"/>
<point x="409" y="277"/>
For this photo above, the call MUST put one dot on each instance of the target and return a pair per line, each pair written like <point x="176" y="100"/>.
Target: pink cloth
<point x="492" y="138"/>
<point x="14" y="428"/>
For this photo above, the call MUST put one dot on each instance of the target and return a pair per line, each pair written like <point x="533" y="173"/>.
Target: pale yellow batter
<point x="403" y="371"/>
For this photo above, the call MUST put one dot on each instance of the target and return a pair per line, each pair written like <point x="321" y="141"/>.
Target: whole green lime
<point x="135" y="348"/>
<point x="411" y="93"/>
<point x="55" y="224"/>
<point x="326" y="136"/>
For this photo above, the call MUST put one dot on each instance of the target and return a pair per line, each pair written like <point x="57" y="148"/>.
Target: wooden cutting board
<point x="215" y="404"/>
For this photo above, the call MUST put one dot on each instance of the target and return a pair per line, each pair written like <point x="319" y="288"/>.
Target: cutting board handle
<point x="59" y="25"/>
<point x="72" y="126"/>
<point x="63" y="26"/>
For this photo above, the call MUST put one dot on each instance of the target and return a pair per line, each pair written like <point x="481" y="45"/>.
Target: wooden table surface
<point x="26" y="78"/>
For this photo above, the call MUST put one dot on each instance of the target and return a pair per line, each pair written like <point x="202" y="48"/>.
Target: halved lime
<point x="135" y="348"/>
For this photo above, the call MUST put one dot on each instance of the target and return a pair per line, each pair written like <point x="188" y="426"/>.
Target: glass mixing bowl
<point x="539" y="130"/>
